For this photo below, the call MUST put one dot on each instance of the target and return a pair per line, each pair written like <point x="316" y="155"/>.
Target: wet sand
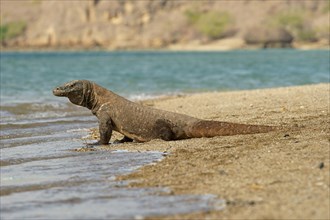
<point x="283" y="174"/>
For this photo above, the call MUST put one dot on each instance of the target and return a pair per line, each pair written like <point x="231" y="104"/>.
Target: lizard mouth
<point x="59" y="92"/>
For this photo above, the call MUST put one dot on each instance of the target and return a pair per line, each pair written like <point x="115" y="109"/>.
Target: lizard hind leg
<point x="163" y="130"/>
<point x="125" y="139"/>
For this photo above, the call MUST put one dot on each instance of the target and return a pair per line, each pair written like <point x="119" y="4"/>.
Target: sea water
<point x="41" y="174"/>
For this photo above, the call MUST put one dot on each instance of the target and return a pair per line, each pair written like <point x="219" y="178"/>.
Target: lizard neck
<point x="90" y="100"/>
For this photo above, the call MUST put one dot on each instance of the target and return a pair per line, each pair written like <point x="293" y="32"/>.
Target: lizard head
<point x="78" y="91"/>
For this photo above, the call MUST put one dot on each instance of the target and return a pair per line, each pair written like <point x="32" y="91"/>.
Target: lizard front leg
<point x="105" y="129"/>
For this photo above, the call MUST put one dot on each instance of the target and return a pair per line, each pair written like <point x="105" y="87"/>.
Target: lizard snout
<point x="58" y="92"/>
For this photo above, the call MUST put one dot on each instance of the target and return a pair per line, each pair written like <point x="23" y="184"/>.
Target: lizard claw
<point x="117" y="141"/>
<point x="125" y="139"/>
<point x="97" y="143"/>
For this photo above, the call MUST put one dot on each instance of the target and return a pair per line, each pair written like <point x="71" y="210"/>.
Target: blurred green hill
<point x="124" y="24"/>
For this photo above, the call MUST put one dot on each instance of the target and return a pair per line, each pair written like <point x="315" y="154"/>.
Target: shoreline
<point x="229" y="44"/>
<point x="273" y="175"/>
<point x="196" y="50"/>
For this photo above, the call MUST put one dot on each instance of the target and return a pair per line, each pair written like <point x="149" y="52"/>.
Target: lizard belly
<point x="140" y="135"/>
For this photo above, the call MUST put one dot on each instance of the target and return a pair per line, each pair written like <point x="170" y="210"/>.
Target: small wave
<point x="5" y="114"/>
<point x="42" y="123"/>
<point x="78" y="130"/>
<point x="28" y="122"/>
<point x="145" y="96"/>
<point x="141" y="97"/>
<point x="29" y="114"/>
<point x="16" y="161"/>
<point x="33" y="108"/>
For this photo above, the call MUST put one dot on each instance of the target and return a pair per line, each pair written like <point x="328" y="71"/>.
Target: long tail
<point x="206" y="128"/>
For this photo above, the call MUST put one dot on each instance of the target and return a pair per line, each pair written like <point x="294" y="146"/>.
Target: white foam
<point x="145" y="96"/>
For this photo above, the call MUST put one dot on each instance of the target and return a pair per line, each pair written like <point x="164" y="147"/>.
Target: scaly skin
<point x="141" y="123"/>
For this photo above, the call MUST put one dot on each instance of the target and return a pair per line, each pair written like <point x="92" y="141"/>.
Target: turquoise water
<point x="31" y="76"/>
<point x="42" y="177"/>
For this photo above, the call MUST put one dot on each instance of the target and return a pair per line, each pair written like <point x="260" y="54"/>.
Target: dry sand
<point x="278" y="175"/>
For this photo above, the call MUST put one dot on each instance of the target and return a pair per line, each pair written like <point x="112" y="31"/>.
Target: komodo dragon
<point x="141" y="123"/>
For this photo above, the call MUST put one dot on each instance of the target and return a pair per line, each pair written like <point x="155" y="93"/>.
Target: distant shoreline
<point x="230" y="44"/>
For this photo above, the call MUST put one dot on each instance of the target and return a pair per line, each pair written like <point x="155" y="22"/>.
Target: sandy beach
<point x="283" y="174"/>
